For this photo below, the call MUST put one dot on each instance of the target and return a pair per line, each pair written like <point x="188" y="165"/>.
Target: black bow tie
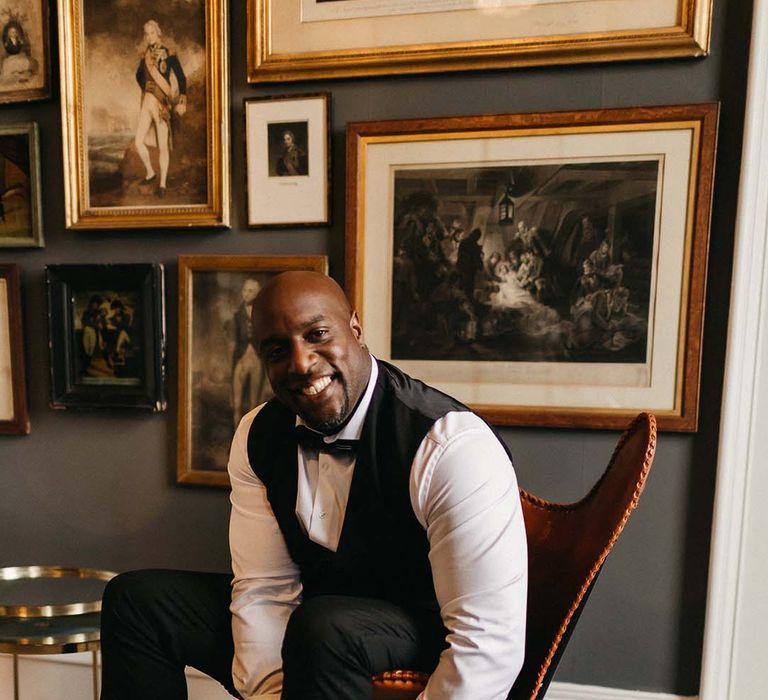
<point x="310" y="440"/>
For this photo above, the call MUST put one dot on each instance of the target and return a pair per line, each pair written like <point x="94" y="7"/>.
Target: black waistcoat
<point x="383" y="550"/>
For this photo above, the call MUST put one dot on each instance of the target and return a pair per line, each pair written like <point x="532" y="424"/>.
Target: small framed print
<point x="25" y="62"/>
<point x="106" y="336"/>
<point x="14" y="419"/>
<point x="20" y="205"/>
<point x="220" y="375"/>
<point x="288" y="161"/>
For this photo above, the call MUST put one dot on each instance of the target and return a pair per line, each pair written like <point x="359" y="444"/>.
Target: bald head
<point x="311" y="343"/>
<point x="299" y="283"/>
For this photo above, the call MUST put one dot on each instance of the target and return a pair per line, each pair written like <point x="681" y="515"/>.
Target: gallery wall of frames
<point x="538" y="222"/>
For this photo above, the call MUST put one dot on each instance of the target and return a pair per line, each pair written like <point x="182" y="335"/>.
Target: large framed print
<point x="307" y="39"/>
<point x="106" y="328"/>
<point x="25" y="60"/>
<point x="547" y="269"/>
<point x="287" y="148"/>
<point x="21" y="213"/>
<point x="220" y="375"/>
<point x="145" y="113"/>
<point x="14" y="418"/>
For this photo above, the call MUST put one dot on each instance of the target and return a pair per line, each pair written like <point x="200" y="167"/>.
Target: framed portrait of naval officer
<point x="144" y="113"/>
<point x="221" y="376"/>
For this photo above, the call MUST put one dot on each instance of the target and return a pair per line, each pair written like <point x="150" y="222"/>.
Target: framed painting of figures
<point x="21" y="220"/>
<point x="106" y="328"/>
<point x="145" y="113"/>
<point x="220" y="374"/>
<point x="25" y="62"/>
<point x="14" y="419"/>
<point x="547" y="269"/>
<point x="310" y="39"/>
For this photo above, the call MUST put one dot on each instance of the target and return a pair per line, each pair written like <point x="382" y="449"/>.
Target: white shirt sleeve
<point x="464" y="492"/>
<point x="266" y="586"/>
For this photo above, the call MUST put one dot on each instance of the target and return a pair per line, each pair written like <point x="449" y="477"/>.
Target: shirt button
<point x="322" y="515"/>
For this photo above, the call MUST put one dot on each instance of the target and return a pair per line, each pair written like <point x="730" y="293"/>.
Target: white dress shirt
<point x="463" y="491"/>
<point x="325" y="478"/>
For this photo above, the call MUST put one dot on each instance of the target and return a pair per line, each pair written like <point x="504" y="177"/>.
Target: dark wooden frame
<point x="325" y="97"/>
<point x="19" y="424"/>
<point x="703" y="118"/>
<point x="146" y="279"/>
<point x="188" y="266"/>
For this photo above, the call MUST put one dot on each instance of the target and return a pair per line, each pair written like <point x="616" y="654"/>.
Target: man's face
<point x="150" y="34"/>
<point x="287" y="140"/>
<point x="314" y="354"/>
<point x="250" y="290"/>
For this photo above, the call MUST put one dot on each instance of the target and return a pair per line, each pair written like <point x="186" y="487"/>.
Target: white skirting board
<point x="572" y="691"/>
<point x="69" y="676"/>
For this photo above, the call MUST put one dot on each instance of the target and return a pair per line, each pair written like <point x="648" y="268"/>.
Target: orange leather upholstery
<point x="567" y="545"/>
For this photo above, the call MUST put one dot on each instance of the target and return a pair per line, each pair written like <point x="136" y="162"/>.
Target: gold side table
<point x="50" y="610"/>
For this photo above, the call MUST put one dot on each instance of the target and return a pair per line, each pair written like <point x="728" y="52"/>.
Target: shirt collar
<point x="353" y="428"/>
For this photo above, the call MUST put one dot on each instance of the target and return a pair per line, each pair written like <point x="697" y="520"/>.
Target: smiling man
<point x="375" y="524"/>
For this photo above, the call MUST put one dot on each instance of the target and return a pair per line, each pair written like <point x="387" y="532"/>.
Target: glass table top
<point x="50" y="609"/>
<point x="50" y="591"/>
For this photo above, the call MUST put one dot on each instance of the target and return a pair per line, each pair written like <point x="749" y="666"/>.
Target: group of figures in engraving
<point x="107" y="326"/>
<point x="566" y="277"/>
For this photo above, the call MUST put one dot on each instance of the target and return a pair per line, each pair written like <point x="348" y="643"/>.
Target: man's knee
<point x="131" y="592"/>
<point x="321" y="631"/>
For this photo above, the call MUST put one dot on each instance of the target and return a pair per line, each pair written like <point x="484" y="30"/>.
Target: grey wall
<point x="97" y="489"/>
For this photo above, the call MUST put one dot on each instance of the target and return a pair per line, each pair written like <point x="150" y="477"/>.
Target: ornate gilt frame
<point x="79" y="213"/>
<point x="467" y="48"/>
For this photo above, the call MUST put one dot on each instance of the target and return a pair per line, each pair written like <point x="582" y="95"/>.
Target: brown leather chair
<point x="567" y="545"/>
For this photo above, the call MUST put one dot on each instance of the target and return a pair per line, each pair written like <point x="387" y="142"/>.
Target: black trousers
<point x="156" y="622"/>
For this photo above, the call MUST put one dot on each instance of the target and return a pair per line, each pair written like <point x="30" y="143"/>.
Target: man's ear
<point x="357" y="328"/>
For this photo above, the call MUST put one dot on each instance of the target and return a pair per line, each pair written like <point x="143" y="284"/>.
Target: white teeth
<point x="316" y="387"/>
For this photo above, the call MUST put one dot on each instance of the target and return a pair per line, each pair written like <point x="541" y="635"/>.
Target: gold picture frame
<point x="309" y="39"/>
<point x="547" y="269"/>
<point x="220" y="377"/>
<point x="14" y="416"/>
<point x="146" y="136"/>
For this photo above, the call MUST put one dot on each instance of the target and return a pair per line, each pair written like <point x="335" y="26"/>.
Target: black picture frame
<point x="106" y="325"/>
